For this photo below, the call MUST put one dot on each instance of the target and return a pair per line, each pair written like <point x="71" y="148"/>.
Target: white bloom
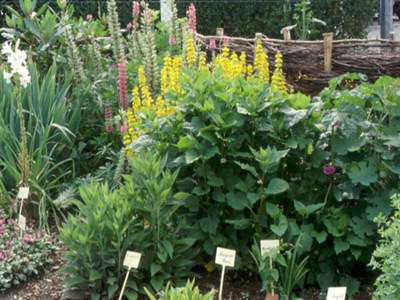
<point x="33" y="14"/>
<point x="7" y="35"/>
<point x="25" y="80"/>
<point x="7" y="76"/>
<point x="20" y="56"/>
<point x="6" y="49"/>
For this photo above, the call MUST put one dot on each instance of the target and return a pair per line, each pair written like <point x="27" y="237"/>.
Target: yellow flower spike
<point x="142" y="79"/>
<point x="243" y="64"/>
<point x="203" y="62"/>
<point x="261" y="65"/>
<point x="278" y="78"/>
<point x="250" y="72"/>
<point x="190" y="53"/>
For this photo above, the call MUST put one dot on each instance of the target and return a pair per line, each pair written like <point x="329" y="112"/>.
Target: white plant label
<point x="23" y="193"/>
<point x="267" y="245"/>
<point x="21" y="222"/>
<point x="336" y="293"/>
<point x="132" y="259"/>
<point x="225" y="257"/>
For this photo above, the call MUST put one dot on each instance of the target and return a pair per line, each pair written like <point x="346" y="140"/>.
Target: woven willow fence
<point x="309" y="65"/>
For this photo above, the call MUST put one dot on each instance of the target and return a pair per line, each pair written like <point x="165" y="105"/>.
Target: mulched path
<point x="48" y="286"/>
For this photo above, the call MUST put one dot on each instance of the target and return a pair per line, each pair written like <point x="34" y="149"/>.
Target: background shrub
<point x="347" y="18"/>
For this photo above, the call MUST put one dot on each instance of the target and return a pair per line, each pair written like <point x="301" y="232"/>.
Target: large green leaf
<point x="276" y="186"/>
<point x="363" y="173"/>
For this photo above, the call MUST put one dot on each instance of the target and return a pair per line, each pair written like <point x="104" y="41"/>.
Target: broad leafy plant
<point x="258" y="162"/>
<point x="139" y="216"/>
<point x="188" y="292"/>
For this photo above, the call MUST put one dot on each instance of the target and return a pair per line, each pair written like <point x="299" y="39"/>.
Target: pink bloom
<point x="129" y="26"/>
<point x="109" y="127"/>
<point x="225" y="41"/>
<point x="148" y="16"/>
<point x="213" y="45"/>
<point x="27" y="238"/>
<point x="136" y="9"/>
<point x="329" y="170"/>
<point x="89" y="17"/>
<point x="124" y="127"/>
<point x="2" y="221"/>
<point x="108" y="117"/>
<point x="172" y="40"/>
<point x="108" y="113"/>
<point x="191" y="14"/>
<point x="336" y="123"/>
<point x="123" y="87"/>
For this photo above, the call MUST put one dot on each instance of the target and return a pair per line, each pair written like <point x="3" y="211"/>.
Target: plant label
<point x="132" y="259"/>
<point x="267" y="245"/>
<point x="336" y="293"/>
<point x="21" y="222"/>
<point x="23" y="193"/>
<point x="225" y="257"/>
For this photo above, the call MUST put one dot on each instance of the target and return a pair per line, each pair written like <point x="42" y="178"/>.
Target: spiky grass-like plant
<point x="148" y="45"/>
<point x="74" y="59"/>
<point x="114" y="28"/>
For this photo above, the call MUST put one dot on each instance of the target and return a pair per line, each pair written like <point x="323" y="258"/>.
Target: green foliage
<point x="286" y="271"/>
<point x="140" y="216"/>
<point x="347" y="18"/>
<point x="51" y="124"/>
<point x="294" y="270"/>
<point x="21" y="255"/>
<point x="305" y="22"/>
<point x="386" y="256"/>
<point x="38" y="29"/>
<point x="267" y="269"/>
<point x="253" y="161"/>
<point x="188" y="292"/>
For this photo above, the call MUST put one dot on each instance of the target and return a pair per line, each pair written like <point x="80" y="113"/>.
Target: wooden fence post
<point x="220" y="32"/>
<point x="286" y="34"/>
<point x="328" y="47"/>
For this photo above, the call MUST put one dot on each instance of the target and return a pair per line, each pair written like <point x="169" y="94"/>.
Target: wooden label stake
<point x="132" y="260"/>
<point x="224" y="257"/>
<point x="23" y="193"/>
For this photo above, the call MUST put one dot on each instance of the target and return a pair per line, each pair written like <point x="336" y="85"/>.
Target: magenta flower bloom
<point x="123" y="86"/>
<point x="129" y="26"/>
<point x="136" y="9"/>
<point x="172" y="40"/>
<point x="329" y="170"/>
<point x="108" y="117"/>
<point x="213" y="44"/>
<point x="89" y="17"/>
<point x="124" y="128"/>
<point x="225" y="41"/>
<point x="336" y="123"/>
<point x="148" y="16"/>
<point x="191" y="14"/>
